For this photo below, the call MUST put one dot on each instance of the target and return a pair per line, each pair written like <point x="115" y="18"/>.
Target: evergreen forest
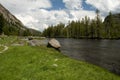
<point x="87" y="28"/>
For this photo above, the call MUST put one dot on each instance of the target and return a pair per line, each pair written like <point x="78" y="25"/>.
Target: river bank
<point x="41" y="63"/>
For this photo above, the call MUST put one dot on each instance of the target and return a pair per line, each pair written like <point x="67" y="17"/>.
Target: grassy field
<point x="42" y="63"/>
<point x="1" y="48"/>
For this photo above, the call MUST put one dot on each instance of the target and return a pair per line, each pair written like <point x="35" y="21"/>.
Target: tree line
<point x="86" y="28"/>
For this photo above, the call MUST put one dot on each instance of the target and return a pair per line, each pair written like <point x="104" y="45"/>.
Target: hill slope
<point x="112" y="25"/>
<point x="115" y="17"/>
<point x="10" y="25"/>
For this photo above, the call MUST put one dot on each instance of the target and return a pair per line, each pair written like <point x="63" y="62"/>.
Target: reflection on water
<point x="105" y="53"/>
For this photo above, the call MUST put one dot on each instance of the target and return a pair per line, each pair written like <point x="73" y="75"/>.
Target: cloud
<point x="81" y="14"/>
<point x="42" y="18"/>
<point x="105" y="6"/>
<point x="73" y="4"/>
<point x="22" y="6"/>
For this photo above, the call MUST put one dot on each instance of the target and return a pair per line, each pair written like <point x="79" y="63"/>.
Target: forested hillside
<point x="10" y="25"/>
<point x="87" y="28"/>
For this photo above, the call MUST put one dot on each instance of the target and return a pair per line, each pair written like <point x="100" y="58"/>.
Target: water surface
<point x="105" y="53"/>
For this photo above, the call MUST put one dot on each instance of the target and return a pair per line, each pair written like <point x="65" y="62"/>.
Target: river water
<point x="104" y="53"/>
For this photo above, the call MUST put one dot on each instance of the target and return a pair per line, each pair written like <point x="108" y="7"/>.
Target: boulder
<point x="30" y="38"/>
<point x="54" y="43"/>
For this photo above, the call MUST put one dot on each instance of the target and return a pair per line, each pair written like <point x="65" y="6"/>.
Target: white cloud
<point x="41" y="18"/>
<point x="81" y="14"/>
<point x="26" y="18"/>
<point x="73" y="4"/>
<point x="22" y="6"/>
<point x="105" y="6"/>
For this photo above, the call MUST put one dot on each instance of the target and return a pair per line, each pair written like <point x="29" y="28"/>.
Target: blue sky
<point x="58" y="4"/>
<point x="39" y="14"/>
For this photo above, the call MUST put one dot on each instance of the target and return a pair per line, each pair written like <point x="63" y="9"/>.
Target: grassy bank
<point x="7" y="40"/>
<point x="41" y="63"/>
<point x="1" y="48"/>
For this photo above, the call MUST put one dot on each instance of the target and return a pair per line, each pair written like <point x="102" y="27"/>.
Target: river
<point x="104" y="53"/>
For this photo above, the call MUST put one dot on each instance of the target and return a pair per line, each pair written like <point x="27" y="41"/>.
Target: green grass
<point x="8" y="40"/>
<point x="41" y="63"/>
<point x="1" y="48"/>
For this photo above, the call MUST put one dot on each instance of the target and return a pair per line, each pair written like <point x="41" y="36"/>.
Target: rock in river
<point x="54" y="43"/>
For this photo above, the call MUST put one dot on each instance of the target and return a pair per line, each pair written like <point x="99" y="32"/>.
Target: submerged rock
<point x="54" y="43"/>
<point x="32" y="43"/>
<point x="36" y="42"/>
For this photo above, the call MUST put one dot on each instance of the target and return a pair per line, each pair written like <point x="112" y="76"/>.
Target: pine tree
<point x="98" y="23"/>
<point x="1" y="23"/>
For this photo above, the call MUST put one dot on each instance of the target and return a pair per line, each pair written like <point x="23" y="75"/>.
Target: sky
<point x="39" y="14"/>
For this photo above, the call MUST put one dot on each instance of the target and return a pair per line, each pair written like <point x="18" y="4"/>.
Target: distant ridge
<point x="115" y="17"/>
